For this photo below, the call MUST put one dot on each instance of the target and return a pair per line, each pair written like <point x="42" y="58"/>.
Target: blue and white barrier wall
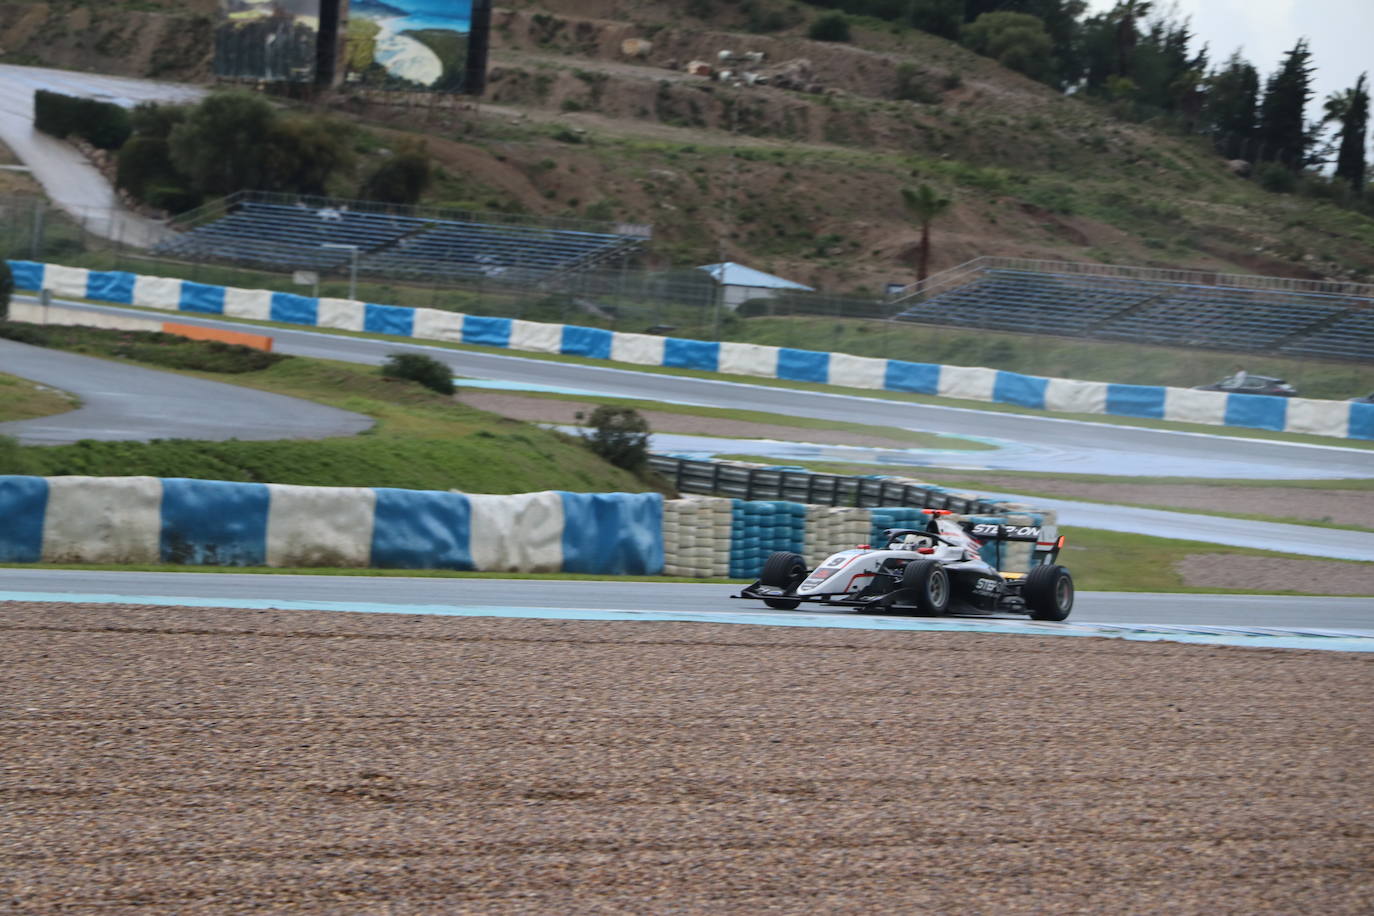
<point x="138" y="520"/>
<point x="146" y="520"/>
<point x="1295" y="415"/>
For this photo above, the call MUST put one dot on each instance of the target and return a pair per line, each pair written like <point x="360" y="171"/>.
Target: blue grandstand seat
<point x="294" y="236"/>
<point x="1162" y="312"/>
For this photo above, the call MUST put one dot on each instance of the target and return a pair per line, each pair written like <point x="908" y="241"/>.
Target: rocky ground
<point x="165" y="760"/>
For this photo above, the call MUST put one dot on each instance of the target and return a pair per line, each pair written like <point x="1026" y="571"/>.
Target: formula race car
<point x="925" y="572"/>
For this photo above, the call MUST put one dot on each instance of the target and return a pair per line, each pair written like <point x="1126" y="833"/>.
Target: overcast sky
<point x="1340" y="34"/>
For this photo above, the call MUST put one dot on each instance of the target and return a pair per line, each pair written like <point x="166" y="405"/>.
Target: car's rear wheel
<point x="927" y="584"/>
<point x="1049" y="592"/>
<point x="783" y="570"/>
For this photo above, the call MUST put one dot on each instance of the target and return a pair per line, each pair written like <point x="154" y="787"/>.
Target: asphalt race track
<point x="1041" y="442"/>
<point x="1341" y="624"/>
<point x="123" y="402"/>
<point x="1048" y="442"/>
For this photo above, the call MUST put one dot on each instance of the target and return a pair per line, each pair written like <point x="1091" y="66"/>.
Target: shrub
<point x="912" y="87"/>
<point x="401" y="179"/>
<point x="156" y="121"/>
<point x="13" y="460"/>
<point x="417" y="367"/>
<point x="144" y="162"/>
<point x="104" y="124"/>
<point x="169" y="350"/>
<point x="171" y="198"/>
<point x="1277" y="178"/>
<point x="620" y="435"/>
<point x="830" y="27"/>
<point x="6" y="289"/>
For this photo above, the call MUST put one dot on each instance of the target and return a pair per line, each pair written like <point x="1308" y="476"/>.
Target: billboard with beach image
<point x="416" y="44"/>
<point x="274" y="40"/>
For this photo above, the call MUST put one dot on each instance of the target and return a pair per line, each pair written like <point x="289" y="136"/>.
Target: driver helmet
<point x="913" y="541"/>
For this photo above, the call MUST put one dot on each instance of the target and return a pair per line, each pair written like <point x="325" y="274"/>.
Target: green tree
<point x="1231" y="111"/>
<point x="1350" y="109"/>
<point x="219" y="145"/>
<point x="401" y="178"/>
<point x="150" y="119"/>
<point x="830" y="27"/>
<point x="938" y="17"/>
<point x="1283" y="133"/>
<point x="1017" y="41"/>
<point x="620" y="435"/>
<point x="302" y="154"/>
<point x="1061" y="20"/>
<point x="417" y="367"/>
<point x="925" y="205"/>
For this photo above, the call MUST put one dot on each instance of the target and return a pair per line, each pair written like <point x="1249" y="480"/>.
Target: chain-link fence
<point x="683" y="302"/>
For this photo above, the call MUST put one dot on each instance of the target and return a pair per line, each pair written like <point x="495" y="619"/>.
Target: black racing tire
<point x="926" y="583"/>
<point x="1048" y="592"/>
<point x="783" y="570"/>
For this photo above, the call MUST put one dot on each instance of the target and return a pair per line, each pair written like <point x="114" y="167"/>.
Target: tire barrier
<point x="746" y="481"/>
<point x="1338" y="419"/>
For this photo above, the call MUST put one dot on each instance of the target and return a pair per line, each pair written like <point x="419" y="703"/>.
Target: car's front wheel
<point x="1049" y="592"/>
<point x="927" y="582"/>
<point x="783" y="570"/>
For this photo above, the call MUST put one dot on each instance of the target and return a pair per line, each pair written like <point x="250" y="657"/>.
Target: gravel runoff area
<point x="167" y="760"/>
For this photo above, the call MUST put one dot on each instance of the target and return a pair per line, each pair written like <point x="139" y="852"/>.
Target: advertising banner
<point x="274" y="40"/>
<point x="435" y="45"/>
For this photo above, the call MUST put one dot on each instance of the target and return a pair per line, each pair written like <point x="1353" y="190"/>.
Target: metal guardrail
<point x="717" y="478"/>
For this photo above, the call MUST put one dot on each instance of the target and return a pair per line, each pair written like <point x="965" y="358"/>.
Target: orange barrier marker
<point x="256" y="341"/>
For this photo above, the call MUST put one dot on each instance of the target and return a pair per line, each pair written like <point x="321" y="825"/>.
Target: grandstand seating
<point x="1117" y="308"/>
<point x="1349" y="337"/>
<point x="296" y="236"/>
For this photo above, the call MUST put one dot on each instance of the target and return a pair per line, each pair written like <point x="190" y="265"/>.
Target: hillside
<point x="801" y="183"/>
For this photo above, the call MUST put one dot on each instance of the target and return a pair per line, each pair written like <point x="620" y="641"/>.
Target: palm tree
<point x="925" y="205"/>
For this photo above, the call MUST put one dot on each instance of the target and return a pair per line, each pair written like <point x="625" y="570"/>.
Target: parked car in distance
<point x="1252" y="384"/>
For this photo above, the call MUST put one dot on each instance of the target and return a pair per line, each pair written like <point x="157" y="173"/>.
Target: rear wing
<point x="1047" y="539"/>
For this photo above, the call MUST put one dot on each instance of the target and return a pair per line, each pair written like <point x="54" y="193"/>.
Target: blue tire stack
<point x="760" y="528"/>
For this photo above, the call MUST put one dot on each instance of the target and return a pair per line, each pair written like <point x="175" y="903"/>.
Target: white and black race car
<point x="926" y="572"/>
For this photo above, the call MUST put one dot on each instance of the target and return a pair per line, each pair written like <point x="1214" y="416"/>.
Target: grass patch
<point x="1116" y="562"/>
<point x="422" y="440"/>
<point x="21" y="399"/>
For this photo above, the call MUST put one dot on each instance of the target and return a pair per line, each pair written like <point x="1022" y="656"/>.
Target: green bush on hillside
<point x="417" y="367"/>
<point x="400" y="179"/>
<point x="103" y="124"/>
<point x="145" y="167"/>
<point x="830" y="27"/>
<point x="620" y="435"/>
